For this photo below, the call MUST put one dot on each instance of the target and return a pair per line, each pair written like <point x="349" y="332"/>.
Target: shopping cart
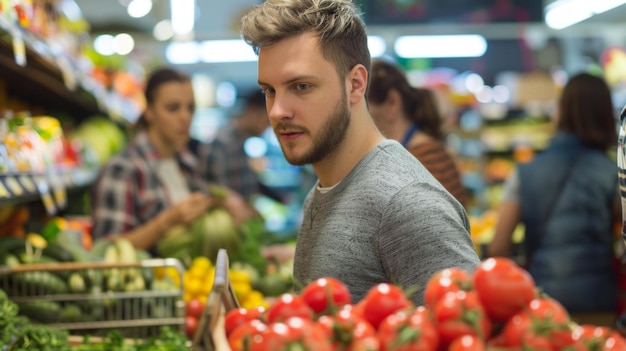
<point x="135" y="314"/>
<point x="210" y="335"/>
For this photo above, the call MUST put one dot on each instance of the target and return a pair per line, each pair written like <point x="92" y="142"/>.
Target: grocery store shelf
<point x="53" y="80"/>
<point x="40" y="81"/>
<point x="22" y="187"/>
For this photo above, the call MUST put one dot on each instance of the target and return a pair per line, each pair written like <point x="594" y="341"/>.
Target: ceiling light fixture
<point x="183" y="53"/>
<point x="183" y="16"/>
<point x="235" y="50"/>
<point x="163" y="30"/>
<point x="104" y="44"/>
<point x="123" y="44"/>
<point x="433" y="46"/>
<point x="376" y="45"/>
<point x="139" y="8"/>
<point x="564" y="13"/>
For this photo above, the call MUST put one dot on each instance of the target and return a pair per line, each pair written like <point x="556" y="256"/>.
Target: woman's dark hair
<point x="419" y="104"/>
<point x="586" y="109"/>
<point x="157" y="78"/>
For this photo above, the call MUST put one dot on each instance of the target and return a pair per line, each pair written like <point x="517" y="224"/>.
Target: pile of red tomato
<point x="496" y="307"/>
<point x="193" y="312"/>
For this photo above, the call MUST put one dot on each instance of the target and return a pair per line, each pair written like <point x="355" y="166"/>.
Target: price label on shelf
<point x="19" y="48"/>
<point x="69" y="78"/>
<point x="58" y="190"/>
<point x="4" y="192"/>
<point x="14" y="186"/>
<point x="27" y="184"/>
<point x="46" y="196"/>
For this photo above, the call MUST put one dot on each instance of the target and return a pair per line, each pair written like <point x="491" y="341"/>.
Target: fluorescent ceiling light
<point x="183" y="52"/>
<point x="183" y="15"/>
<point x="104" y="44"/>
<point x="376" y="45"/>
<point x="425" y="46"/>
<point x="162" y="31"/>
<point x="564" y="13"/>
<point x="123" y="44"/>
<point x="139" y="8"/>
<point x="235" y="50"/>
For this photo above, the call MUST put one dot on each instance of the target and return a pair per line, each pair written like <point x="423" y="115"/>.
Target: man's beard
<point x="329" y="137"/>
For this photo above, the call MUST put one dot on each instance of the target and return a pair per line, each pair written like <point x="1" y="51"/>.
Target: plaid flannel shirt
<point x="128" y="191"/>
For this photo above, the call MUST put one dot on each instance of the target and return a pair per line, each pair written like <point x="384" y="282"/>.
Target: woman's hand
<point x="190" y="208"/>
<point x="238" y="208"/>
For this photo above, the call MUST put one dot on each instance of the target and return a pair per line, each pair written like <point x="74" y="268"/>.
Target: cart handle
<point x="62" y="266"/>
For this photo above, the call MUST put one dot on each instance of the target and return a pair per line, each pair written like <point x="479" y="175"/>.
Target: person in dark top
<point x="567" y="198"/>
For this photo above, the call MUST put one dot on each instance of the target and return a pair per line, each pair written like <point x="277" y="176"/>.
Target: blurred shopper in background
<point x="224" y="160"/>
<point x="568" y="201"/>
<point x="151" y="186"/>
<point x="411" y="116"/>
<point x="376" y="214"/>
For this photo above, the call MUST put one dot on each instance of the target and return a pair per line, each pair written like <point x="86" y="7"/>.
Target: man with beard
<point x="376" y="214"/>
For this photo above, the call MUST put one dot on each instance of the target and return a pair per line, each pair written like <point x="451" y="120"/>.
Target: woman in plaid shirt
<point x="152" y="185"/>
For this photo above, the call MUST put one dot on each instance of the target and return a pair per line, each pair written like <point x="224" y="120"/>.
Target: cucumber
<point x="58" y="252"/>
<point x="148" y="277"/>
<point x="93" y="278"/>
<point x="71" y="313"/>
<point x="93" y="307"/>
<point x="40" y="311"/>
<point x="53" y="251"/>
<point x="36" y="283"/>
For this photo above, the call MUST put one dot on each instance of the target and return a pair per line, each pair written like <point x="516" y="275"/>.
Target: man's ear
<point x="357" y="84"/>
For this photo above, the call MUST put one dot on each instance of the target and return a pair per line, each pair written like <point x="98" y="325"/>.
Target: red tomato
<point x="191" y="324"/>
<point x="503" y="287"/>
<point x="382" y="300"/>
<point x="194" y="308"/>
<point x="320" y="292"/>
<point x="599" y="338"/>
<point x="556" y="321"/>
<point x="238" y="316"/>
<point x="467" y="343"/>
<point x="450" y="279"/>
<point x="407" y="330"/>
<point x="287" y="306"/>
<point x="542" y="317"/>
<point x="537" y="340"/>
<point x="346" y="330"/>
<point x="576" y="346"/>
<point x="247" y="336"/>
<point x="614" y="342"/>
<point x="460" y="313"/>
<point x="591" y="336"/>
<point x="369" y="343"/>
<point x="295" y="334"/>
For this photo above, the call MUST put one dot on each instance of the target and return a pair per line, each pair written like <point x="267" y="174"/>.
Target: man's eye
<point x="301" y="86"/>
<point x="268" y="91"/>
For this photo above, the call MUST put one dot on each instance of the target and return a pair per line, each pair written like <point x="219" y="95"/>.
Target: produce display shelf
<point x="136" y="314"/>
